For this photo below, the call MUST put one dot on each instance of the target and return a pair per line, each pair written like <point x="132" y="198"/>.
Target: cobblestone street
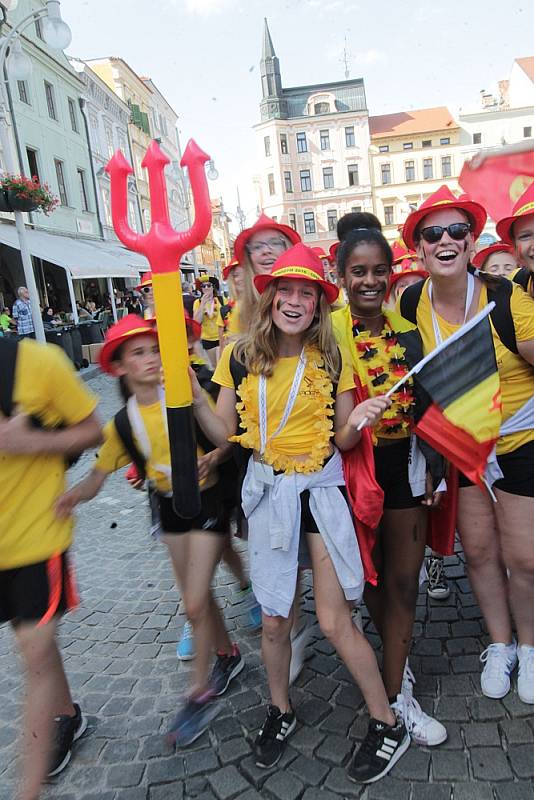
<point x="120" y="655"/>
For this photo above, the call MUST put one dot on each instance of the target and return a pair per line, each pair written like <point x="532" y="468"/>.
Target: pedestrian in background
<point x="22" y="313"/>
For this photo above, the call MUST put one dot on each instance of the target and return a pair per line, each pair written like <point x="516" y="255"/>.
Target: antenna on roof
<point x="346" y="58"/>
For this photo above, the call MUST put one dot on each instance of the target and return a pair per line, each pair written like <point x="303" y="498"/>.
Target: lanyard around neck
<point x="468" y="300"/>
<point x="262" y="402"/>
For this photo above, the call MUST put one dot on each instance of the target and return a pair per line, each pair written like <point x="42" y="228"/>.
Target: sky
<point x="204" y="57"/>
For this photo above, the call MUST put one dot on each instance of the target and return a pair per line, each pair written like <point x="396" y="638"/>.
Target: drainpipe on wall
<point x="81" y="102"/>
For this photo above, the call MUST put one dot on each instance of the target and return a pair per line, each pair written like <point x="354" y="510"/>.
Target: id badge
<point x="264" y="473"/>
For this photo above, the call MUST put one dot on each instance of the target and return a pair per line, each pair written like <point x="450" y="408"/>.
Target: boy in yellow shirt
<point x="46" y="416"/>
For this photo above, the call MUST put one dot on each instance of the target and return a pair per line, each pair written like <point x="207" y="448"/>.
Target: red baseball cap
<point x="129" y="326"/>
<point x="299" y="262"/>
<point x="523" y="207"/>
<point x="479" y="258"/>
<point x="264" y="223"/>
<point x="444" y="198"/>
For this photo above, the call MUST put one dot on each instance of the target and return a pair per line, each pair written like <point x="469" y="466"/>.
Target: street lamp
<point x="57" y="35"/>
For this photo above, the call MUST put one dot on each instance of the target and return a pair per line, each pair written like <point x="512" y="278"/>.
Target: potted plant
<point x="19" y="193"/>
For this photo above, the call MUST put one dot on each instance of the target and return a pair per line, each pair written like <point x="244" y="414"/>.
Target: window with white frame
<point x="309" y="222"/>
<point x="305" y="180"/>
<point x="328" y="177"/>
<point x="24" y="94"/>
<point x="331" y="219"/>
<point x="324" y="137"/>
<point x="428" y="170"/>
<point x="73" y="115"/>
<point x="350" y="139"/>
<point x="302" y="143"/>
<point x="61" y="185"/>
<point x="288" y="182"/>
<point x="50" y="100"/>
<point x="354" y="178"/>
<point x="389" y="217"/>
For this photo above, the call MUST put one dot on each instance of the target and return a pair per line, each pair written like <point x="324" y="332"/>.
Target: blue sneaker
<point x="193" y="719"/>
<point x="185" y="649"/>
<point x="254" y="617"/>
<point x="247" y="598"/>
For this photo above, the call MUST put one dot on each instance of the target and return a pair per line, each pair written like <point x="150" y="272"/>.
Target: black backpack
<point x="521" y="277"/>
<point x="499" y="291"/>
<point x="8" y="366"/>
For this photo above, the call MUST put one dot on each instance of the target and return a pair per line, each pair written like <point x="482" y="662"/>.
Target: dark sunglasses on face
<point x="146" y="289"/>
<point x="457" y="231"/>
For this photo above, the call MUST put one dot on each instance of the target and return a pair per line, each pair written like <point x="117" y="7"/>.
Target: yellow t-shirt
<point x="113" y="455"/>
<point x="210" y="325"/>
<point x="233" y="325"/>
<point x="46" y="386"/>
<point x="516" y="375"/>
<point x="309" y="428"/>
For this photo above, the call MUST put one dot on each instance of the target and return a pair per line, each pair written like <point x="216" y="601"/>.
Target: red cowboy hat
<point x="129" y="326"/>
<point x="229" y="267"/>
<point x="395" y="277"/>
<point x="264" y="223"/>
<point x="523" y="207"/>
<point x="319" y="252"/>
<point x="444" y="198"/>
<point x="333" y="251"/>
<point x="479" y="258"/>
<point x="192" y="325"/>
<point x="302" y="263"/>
<point x="400" y="252"/>
<point x="146" y="280"/>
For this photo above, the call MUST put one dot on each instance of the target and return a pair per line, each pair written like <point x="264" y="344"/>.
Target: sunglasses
<point x="146" y="289"/>
<point x="457" y="231"/>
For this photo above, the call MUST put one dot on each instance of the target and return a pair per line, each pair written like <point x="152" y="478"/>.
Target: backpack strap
<point x="501" y="315"/>
<point x="521" y="277"/>
<point x="410" y="300"/>
<point x="8" y="363"/>
<point x="125" y="434"/>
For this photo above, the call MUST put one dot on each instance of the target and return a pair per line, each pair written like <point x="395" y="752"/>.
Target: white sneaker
<point x="408" y="681"/>
<point x="423" y="729"/>
<point x="299" y="643"/>
<point x="499" y="662"/>
<point x="525" y="676"/>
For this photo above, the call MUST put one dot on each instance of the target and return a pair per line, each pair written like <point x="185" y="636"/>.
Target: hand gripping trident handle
<point x="164" y="247"/>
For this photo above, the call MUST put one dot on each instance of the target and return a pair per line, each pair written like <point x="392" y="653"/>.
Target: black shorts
<point x="518" y="472"/>
<point x="38" y="592"/>
<point x="391" y="471"/>
<point x="212" y="517"/>
<point x="208" y="345"/>
<point x="307" y="520"/>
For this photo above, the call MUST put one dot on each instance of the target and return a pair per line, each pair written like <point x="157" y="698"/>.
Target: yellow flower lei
<point x="320" y="385"/>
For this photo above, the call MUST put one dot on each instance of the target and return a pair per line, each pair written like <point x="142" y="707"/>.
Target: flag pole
<point x="420" y="364"/>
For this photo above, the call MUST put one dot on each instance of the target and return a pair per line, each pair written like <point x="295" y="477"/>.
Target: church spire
<point x="268" y="48"/>
<point x="273" y="104"/>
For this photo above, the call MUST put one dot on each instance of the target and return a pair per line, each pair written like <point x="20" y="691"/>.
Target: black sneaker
<point x="193" y="719"/>
<point x="438" y="588"/>
<point x="225" y="669"/>
<point x="271" y="740"/>
<point x="68" y="731"/>
<point x="379" y="751"/>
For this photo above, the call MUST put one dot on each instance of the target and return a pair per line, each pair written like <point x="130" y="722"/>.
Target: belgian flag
<point x="459" y="397"/>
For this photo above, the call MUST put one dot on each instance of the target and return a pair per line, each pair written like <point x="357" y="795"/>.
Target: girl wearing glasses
<point x="389" y="500"/>
<point x="279" y="386"/>
<point x="256" y="249"/>
<point x="497" y="537"/>
<point x="147" y="296"/>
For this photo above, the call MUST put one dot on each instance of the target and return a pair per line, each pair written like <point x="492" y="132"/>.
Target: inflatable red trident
<point x="164" y="247"/>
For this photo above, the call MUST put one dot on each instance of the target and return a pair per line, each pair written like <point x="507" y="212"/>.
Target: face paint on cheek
<point x="278" y="304"/>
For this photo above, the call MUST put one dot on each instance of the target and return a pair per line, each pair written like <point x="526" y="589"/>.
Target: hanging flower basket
<point x="20" y="203"/>
<point x="20" y="193"/>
